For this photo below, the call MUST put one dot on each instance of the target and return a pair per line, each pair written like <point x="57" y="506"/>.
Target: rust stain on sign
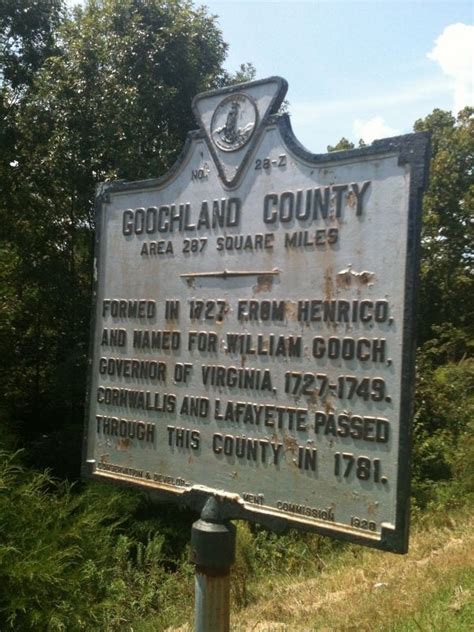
<point x="351" y="199"/>
<point x="344" y="278"/>
<point x="313" y="400"/>
<point x="123" y="444"/>
<point x="291" y="310"/>
<point x="329" y="406"/>
<point x="290" y="444"/>
<point x="264" y="283"/>
<point x="328" y="284"/>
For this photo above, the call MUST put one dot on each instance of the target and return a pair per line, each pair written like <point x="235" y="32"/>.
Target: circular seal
<point x="234" y="121"/>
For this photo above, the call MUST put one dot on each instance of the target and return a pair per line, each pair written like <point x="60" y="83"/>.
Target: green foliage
<point x="342" y="145"/>
<point x="262" y="554"/>
<point x="245" y="72"/>
<point x="27" y="38"/>
<point x="450" y="609"/>
<point x="103" y="93"/>
<point x="245" y="563"/>
<point x="66" y="561"/>
<point x="443" y="430"/>
<point x="118" y="99"/>
<point x="447" y="274"/>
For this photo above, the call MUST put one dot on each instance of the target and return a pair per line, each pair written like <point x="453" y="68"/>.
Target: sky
<point x="359" y="69"/>
<point x="355" y="69"/>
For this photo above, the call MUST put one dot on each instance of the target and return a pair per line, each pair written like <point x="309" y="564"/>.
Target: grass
<point x="431" y="589"/>
<point x="450" y="609"/>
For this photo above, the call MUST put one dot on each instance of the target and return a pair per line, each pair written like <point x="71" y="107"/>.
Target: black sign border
<point x="412" y="150"/>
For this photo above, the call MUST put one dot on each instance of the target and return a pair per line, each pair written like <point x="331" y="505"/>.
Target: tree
<point x="447" y="264"/>
<point x="113" y="101"/>
<point x="245" y="72"/>
<point x="342" y="145"/>
<point x="27" y="38"/>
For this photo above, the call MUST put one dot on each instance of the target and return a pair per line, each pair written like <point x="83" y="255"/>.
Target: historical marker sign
<point x="253" y="324"/>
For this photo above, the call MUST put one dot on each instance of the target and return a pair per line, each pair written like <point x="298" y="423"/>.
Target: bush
<point x="443" y="430"/>
<point x="66" y="563"/>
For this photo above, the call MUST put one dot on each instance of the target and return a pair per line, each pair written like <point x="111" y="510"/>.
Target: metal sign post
<point x="213" y="553"/>
<point x="253" y="327"/>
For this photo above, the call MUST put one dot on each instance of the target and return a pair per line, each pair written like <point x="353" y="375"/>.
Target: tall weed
<point x="66" y="563"/>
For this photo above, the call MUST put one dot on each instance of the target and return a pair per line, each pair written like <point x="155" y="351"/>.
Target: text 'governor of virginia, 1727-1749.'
<point x="253" y="324"/>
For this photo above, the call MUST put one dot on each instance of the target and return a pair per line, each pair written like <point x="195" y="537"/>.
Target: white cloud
<point x="372" y="128"/>
<point x="454" y="52"/>
<point x="424" y="90"/>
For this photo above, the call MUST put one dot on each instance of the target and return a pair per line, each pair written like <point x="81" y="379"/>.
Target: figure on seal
<point x="229" y="136"/>
<point x="229" y="132"/>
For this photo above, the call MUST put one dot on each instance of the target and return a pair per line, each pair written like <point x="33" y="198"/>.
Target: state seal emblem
<point x="234" y="122"/>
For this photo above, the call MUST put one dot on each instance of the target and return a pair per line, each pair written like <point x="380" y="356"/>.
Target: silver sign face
<point x="252" y="333"/>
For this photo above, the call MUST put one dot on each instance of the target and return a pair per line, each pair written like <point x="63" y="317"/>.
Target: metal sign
<point x="253" y="325"/>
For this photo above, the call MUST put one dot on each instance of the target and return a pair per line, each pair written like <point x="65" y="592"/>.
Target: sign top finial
<point x="233" y="118"/>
